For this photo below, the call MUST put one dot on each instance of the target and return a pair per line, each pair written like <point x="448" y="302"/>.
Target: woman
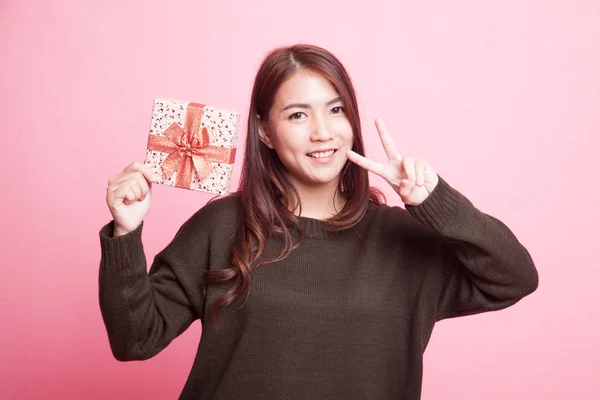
<point x="308" y="286"/>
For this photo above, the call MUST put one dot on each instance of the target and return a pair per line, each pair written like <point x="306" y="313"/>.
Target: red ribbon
<point x="189" y="149"/>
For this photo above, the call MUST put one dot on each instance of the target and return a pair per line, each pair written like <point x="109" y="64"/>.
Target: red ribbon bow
<point x="189" y="149"/>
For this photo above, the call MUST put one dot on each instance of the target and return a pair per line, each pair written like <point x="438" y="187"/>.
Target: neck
<point x="319" y="202"/>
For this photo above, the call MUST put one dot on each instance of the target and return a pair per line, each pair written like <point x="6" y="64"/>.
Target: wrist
<point x="119" y="230"/>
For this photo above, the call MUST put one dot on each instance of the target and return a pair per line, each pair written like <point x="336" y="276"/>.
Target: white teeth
<point x="321" y="154"/>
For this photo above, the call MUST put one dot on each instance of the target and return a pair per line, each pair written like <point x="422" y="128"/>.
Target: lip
<point x="323" y="160"/>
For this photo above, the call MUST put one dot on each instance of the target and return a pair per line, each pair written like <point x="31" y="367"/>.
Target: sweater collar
<point x="317" y="229"/>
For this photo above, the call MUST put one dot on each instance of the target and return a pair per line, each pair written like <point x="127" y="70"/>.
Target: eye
<point x="337" y="110"/>
<point x="296" y="115"/>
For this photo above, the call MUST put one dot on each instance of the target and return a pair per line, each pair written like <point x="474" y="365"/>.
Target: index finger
<point x="144" y="169"/>
<point x="386" y="140"/>
<point x="365" y="163"/>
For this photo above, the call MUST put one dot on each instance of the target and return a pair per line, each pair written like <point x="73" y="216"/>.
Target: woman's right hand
<point x="128" y="197"/>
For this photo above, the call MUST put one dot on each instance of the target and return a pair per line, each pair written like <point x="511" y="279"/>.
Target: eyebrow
<point x="304" y="105"/>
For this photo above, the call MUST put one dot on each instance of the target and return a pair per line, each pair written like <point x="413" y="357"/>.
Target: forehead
<point x="305" y="87"/>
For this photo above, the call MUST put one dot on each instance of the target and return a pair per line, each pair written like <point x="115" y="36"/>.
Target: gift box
<point x="192" y="146"/>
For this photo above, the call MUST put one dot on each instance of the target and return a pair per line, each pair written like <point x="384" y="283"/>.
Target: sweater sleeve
<point x="143" y="311"/>
<point x="484" y="266"/>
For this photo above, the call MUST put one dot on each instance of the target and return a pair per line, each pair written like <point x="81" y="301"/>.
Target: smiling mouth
<point x="321" y="154"/>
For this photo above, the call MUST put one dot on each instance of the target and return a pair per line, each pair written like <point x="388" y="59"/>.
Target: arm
<point x="144" y="311"/>
<point x="484" y="267"/>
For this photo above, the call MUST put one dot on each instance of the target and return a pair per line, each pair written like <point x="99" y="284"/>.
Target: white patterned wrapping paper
<point x="222" y="123"/>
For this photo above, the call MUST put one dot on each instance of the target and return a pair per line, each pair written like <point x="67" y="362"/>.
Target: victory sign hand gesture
<point x="411" y="177"/>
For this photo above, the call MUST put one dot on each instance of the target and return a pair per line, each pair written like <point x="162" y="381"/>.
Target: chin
<point x="311" y="178"/>
<point x="324" y="180"/>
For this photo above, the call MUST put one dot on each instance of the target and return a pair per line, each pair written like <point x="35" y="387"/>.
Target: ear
<point x="263" y="133"/>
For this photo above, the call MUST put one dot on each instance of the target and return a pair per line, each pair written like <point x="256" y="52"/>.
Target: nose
<point x="320" y="129"/>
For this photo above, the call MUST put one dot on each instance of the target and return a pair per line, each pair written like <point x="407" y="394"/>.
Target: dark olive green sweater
<point x="346" y="315"/>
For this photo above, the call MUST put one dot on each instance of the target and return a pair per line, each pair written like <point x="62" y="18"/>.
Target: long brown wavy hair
<point x="265" y="190"/>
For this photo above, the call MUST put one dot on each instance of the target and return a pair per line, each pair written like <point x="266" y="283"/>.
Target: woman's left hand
<point x="411" y="177"/>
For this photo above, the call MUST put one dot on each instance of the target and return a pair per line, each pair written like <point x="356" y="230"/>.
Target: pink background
<point x="503" y="98"/>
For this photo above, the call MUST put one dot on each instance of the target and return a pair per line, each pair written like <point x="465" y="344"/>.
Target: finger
<point x="126" y="191"/>
<point x="365" y="163"/>
<point x="144" y="185"/>
<point x="408" y="164"/>
<point x="134" y="186"/>
<point x="117" y="196"/>
<point x="420" y="172"/>
<point x="405" y="188"/>
<point x="144" y="169"/>
<point x="130" y="196"/>
<point x="386" y="140"/>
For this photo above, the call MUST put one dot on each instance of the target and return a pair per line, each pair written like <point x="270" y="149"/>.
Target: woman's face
<point x="309" y="130"/>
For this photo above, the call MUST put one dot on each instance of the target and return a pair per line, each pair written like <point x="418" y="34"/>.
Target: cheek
<point x="344" y="129"/>
<point x="277" y="136"/>
<point x="285" y="149"/>
<point x="291" y="138"/>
